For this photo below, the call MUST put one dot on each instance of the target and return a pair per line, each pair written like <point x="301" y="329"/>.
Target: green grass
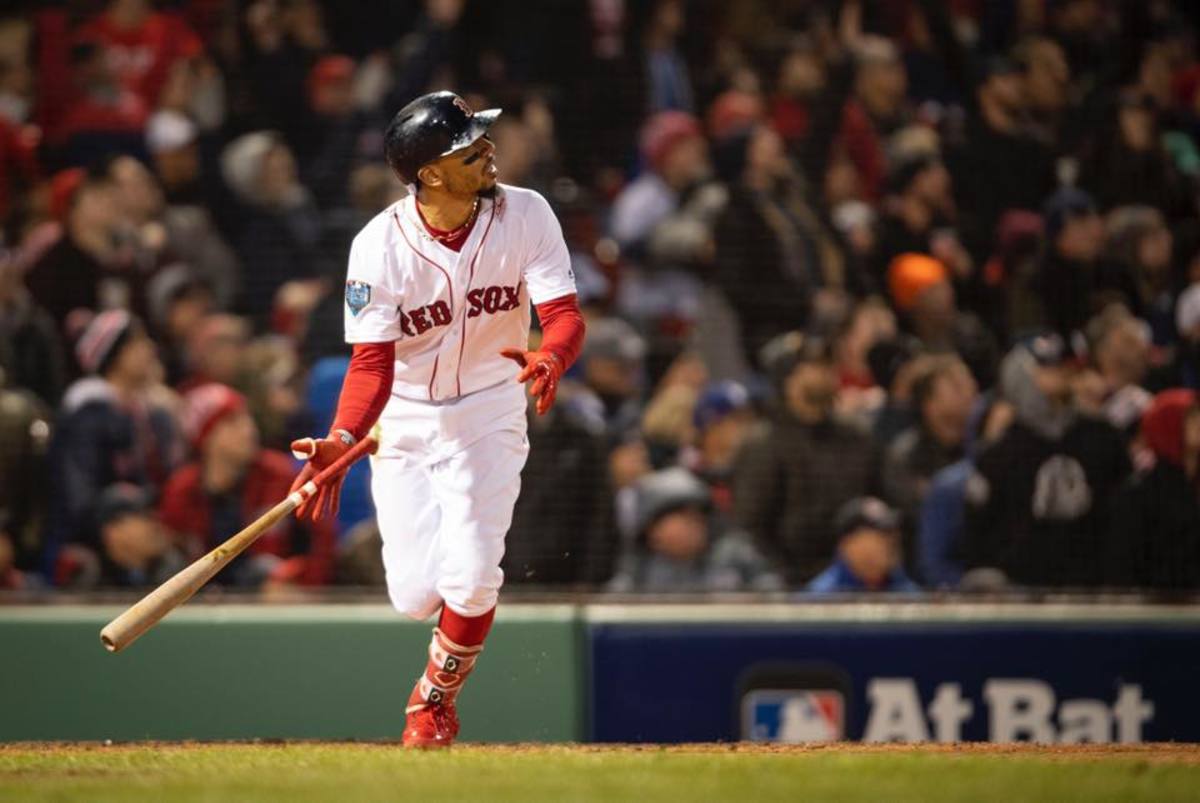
<point x="359" y="772"/>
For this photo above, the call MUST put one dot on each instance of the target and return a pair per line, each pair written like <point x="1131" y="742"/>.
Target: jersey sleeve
<point x="370" y="307"/>
<point x="547" y="271"/>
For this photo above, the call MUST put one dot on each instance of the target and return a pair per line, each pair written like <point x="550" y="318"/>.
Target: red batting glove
<point x="545" y="368"/>
<point x="320" y="454"/>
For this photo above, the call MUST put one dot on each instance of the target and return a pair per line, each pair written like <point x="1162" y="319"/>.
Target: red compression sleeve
<point x="366" y="388"/>
<point x="562" y="328"/>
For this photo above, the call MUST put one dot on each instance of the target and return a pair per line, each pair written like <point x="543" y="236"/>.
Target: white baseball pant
<point x="444" y="517"/>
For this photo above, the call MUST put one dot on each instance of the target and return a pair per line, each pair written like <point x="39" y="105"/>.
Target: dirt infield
<point x="1172" y="752"/>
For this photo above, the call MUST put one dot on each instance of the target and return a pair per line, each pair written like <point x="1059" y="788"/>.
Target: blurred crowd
<point x="882" y="295"/>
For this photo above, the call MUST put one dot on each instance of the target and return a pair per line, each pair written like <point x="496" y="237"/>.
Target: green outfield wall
<point x="237" y="672"/>
<point x="608" y="672"/>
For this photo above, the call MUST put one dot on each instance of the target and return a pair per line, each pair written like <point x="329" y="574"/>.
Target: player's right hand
<point x="320" y="454"/>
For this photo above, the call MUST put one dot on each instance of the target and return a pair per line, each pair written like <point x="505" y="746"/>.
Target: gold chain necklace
<point x="450" y="235"/>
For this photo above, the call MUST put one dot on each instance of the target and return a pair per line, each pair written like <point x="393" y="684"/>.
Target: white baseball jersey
<point x="450" y="313"/>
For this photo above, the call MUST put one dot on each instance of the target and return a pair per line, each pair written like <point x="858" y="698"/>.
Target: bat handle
<point x="366" y="446"/>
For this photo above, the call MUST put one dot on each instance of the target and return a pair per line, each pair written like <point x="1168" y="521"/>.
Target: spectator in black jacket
<point x="772" y="254"/>
<point x="280" y="228"/>
<point x="1037" y="499"/>
<point x="1154" y="540"/>
<point x="1133" y="167"/>
<point x="31" y="353"/>
<point x="1075" y="280"/>
<point x="794" y="472"/>
<point x="328" y="153"/>
<point x="1141" y="243"/>
<point x="997" y="164"/>
<point x="69" y="275"/>
<point x="111" y="427"/>
<point x="24" y="436"/>
<point x="922" y="291"/>
<point x="562" y="525"/>
<point x="919" y="216"/>
<point x="125" y="545"/>
<point x="943" y="395"/>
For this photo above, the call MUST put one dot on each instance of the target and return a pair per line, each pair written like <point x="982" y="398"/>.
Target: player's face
<point x="470" y="171"/>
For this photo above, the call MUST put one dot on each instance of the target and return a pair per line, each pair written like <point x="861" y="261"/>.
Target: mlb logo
<point x="792" y="716"/>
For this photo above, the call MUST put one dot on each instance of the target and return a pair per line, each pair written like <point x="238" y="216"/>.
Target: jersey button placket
<point x="448" y="345"/>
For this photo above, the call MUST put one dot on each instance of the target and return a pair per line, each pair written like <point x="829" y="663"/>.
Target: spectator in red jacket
<point x="142" y="44"/>
<point x="230" y="482"/>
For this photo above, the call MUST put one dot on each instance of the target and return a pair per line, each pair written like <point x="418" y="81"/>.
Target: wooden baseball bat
<point x="146" y="612"/>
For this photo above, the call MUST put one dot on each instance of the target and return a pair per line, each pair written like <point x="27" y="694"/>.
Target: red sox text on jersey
<point x="497" y="298"/>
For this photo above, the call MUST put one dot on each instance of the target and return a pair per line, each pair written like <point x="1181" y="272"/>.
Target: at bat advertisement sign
<point x="1061" y="682"/>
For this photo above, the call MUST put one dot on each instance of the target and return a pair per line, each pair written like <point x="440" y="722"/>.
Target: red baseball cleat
<point x="431" y="727"/>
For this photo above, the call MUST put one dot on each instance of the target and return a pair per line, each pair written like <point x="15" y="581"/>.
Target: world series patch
<point x="358" y="296"/>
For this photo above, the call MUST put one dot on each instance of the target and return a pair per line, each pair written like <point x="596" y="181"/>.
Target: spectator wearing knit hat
<point x="228" y="483"/>
<point x="171" y="139"/>
<point x="922" y="292"/>
<point x="679" y="546"/>
<point x="676" y="157"/>
<point x="1154" y="540"/>
<point x="868" y="551"/>
<point x="112" y="426"/>
<point x="722" y="420"/>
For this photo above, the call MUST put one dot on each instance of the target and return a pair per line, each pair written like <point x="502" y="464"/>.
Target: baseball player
<point x="437" y="309"/>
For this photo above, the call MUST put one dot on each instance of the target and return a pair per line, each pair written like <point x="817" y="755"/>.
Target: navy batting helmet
<point x="430" y="127"/>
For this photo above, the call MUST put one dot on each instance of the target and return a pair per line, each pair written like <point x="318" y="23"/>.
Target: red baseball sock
<point x="468" y="631"/>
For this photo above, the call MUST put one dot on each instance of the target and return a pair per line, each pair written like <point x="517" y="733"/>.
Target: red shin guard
<point x="449" y="664"/>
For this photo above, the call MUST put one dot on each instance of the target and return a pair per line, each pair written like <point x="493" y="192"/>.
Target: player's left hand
<point x="320" y="454"/>
<point x="545" y="368"/>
